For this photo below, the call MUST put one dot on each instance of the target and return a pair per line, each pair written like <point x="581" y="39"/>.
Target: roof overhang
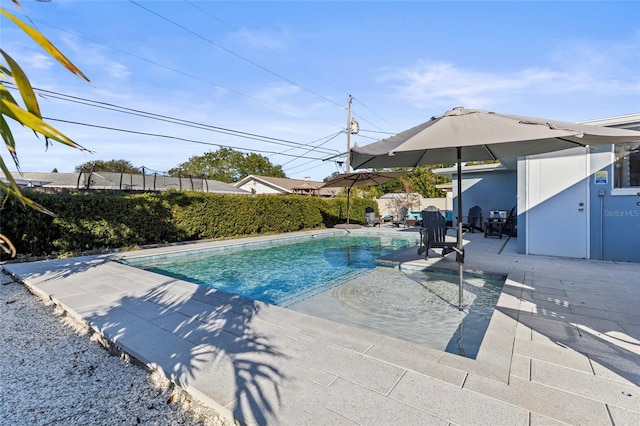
<point x="481" y="168"/>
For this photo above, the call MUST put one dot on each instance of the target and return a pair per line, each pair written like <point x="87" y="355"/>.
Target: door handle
<point x="580" y="207"/>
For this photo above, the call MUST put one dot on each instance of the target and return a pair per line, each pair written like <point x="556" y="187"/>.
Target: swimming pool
<point x="282" y="274"/>
<point x="335" y="277"/>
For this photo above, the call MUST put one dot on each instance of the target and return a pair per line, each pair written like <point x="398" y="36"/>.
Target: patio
<point x="563" y="345"/>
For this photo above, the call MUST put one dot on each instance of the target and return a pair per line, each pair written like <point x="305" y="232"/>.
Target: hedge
<point x="92" y="221"/>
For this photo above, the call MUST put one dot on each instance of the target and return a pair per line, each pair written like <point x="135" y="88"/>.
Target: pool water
<point x="419" y="306"/>
<point x="336" y="278"/>
<point x="281" y="274"/>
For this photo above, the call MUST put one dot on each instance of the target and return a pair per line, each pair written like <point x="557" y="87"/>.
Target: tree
<point x="227" y="165"/>
<point x="116" y="166"/>
<point x="331" y="176"/>
<point x="420" y="179"/>
<point x="28" y="114"/>
<point x="424" y="181"/>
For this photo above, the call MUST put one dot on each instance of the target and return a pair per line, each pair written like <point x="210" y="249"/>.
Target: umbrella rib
<point x="490" y="152"/>
<point x="421" y="157"/>
<point x="573" y="142"/>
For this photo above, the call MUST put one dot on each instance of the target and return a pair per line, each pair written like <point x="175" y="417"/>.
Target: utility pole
<point x="348" y="164"/>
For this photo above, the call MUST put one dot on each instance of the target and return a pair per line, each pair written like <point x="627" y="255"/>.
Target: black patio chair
<point x="474" y="220"/>
<point x="433" y="233"/>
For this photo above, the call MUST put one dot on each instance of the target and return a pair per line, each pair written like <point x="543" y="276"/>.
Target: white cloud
<point x="290" y="100"/>
<point x="270" y="40"/>
<point x="36" y="61"/>
<point x="576" y="68"/>
<point x="30" y="58"/>
<point x="95" y="60"/>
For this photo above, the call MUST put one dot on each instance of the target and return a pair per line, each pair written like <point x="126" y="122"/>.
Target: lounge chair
<point x="403" y="214"/>
<point x="433" y="233"/>
<point x="371" y="218"/>
<point x="474" y="220"/>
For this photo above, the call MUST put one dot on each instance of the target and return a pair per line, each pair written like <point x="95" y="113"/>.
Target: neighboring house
<point x="121" y="181"/>
<point x="275" y="185"/>
<point x="571" y="203"/>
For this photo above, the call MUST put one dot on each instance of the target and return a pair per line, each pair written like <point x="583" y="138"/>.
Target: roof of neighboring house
<point x="290" y="186"/>
<point x="126" y="181"/>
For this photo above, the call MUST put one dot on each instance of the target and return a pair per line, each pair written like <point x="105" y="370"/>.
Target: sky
<point x="171" y="80"/>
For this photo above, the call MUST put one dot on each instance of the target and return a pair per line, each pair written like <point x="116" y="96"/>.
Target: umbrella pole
<point x="460" y="250"/>
<point x="348" y="196"/>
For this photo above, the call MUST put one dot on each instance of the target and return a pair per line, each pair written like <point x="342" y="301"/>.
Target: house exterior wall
<point x="255" y="187"/>
<point x="615" y="214"/>
<point x="495" y="190"/>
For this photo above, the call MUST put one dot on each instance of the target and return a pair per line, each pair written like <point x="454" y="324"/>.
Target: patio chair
<point x="511" y="224"/>
<point x="433" y="233"/>
<point x="496" y="227"/>
<point x="371" y="218"/>
<point x="419" y="222"/>
<point x="403" y="214"/>
<point x="474" y="220"/>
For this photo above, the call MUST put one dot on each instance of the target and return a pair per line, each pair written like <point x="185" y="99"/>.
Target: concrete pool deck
<point x="563" y="346"/>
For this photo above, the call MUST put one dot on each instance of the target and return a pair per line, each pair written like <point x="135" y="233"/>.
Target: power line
<point x="376" y="131"/>
<point x="304" y="69"/>
<point x="256" y="41"/>
<point x="231" y="132"/>
<point x="182" y="122"/>
<point x="237" y="55"/>
<point x="231" y="52"/>
<point x="374" y="113"/>
<point x="135" y="132"/>
<point x="368" y="137"/>
<point x="177" y="71"/>
<point x="315" y="147"/>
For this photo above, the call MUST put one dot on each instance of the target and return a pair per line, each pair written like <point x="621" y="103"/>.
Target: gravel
<point x="54" y="371"/>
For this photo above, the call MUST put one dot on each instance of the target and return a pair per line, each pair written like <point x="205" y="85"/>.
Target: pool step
<point x="322" y="287"/>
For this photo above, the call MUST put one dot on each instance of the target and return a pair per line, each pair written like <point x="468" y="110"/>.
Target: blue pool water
<point x="282" y="274"/>
<point x="419" y="306"/>
<point x="335" y="277"/>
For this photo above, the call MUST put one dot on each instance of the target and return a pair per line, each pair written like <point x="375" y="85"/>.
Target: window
<point x="627" y="165"/>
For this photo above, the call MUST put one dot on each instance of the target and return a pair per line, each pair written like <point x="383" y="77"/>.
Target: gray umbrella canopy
<point x="482" y="135"/>
<point x="349" y="180"/>
<point x="475" y="135"/>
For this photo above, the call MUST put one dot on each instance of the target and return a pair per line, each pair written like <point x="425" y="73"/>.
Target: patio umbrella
<point x="349" y="180"/>
<point x="306" y="188"/>
<point x="475" y="135"/>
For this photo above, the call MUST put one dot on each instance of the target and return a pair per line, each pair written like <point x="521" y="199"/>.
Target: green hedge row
<point x="110" y="220"/>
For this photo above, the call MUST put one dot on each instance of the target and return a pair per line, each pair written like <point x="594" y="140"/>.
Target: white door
<point x="557" y="204"/>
